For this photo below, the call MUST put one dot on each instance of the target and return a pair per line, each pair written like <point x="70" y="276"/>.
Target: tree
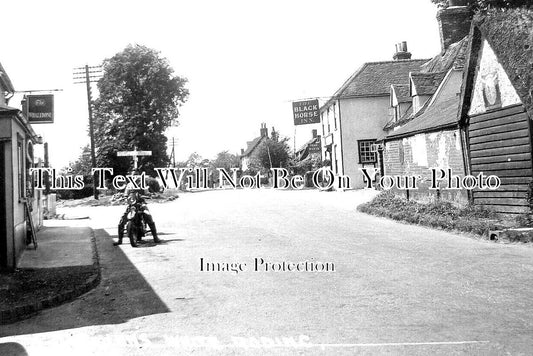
<point x="272" y="154"/>
<point x="486" y="4"/>
<point x="194" y="160"/>
<point x="139" y="99"/>
<point x="83" y="164"/>
<point x="226" y="160"/>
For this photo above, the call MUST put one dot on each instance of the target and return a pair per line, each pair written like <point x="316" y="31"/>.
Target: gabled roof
<point x="305" y="145"/>
<point x="425" y="83"/>
<point x="453" y="57"/>
<point x="401" y="92"/>
<point x="436" y="112"/>
<point x="510" y="34"/>
<point x="251" y="145"/>
<point x="4" y="109"/>
<point x="5" y="81"/>
<point x="406" y="117"/>
<point x="375" y="78"/>
<point x="441" y="114"/>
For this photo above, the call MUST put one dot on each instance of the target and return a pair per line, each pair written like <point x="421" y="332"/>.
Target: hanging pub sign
<point x="315" y="147"/>
<point x="40" y="109"/>
<point x="306" y="112"/>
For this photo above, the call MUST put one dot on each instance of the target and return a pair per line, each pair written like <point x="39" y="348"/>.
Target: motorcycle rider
<point x="132" y="192"/>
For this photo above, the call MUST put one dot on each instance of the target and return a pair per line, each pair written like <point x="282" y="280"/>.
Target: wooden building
<point x="497" y="107"/>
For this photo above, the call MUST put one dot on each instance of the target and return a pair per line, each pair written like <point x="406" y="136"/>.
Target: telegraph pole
<point x="173" y="154"/>
<point x="88" y="75"/>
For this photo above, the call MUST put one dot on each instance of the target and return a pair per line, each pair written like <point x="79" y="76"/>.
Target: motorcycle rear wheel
<point x="132" y="234"/>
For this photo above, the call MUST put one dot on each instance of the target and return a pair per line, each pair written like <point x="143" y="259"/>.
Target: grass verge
<point x="439" y="214"/>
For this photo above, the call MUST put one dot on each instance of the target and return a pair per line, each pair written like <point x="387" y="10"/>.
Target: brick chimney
<point x="401" y="51"/>
<point x="454" y="23"/>
<point x="264" y="130"/>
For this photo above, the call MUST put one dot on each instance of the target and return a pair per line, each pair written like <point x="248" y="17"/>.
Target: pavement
<point x="396" y="289"/>
<point x="59" y="246"/>
<point x="60" y="249"/>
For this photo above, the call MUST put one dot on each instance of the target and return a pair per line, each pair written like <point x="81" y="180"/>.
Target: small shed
<point x="497" y="107"/>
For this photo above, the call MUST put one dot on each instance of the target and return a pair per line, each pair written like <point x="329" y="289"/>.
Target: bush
<point x="153" y="185"/>
<point x="438" y="214"/>
<point x="66" y="194"/>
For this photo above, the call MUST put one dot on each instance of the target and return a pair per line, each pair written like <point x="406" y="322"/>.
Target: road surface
<point x="391" y="288"/>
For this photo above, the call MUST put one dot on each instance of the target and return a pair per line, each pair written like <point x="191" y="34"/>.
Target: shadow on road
<point x="123" y="294"/>
<point x="12" y="349"/>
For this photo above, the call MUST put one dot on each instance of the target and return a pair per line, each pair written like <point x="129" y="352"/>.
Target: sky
<point x="245" y="60"/>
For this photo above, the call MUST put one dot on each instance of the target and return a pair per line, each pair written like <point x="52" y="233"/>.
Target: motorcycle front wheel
<point x="132" y="234"/>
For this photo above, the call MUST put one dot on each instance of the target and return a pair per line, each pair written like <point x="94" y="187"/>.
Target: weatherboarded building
<point x="497" y="107"/>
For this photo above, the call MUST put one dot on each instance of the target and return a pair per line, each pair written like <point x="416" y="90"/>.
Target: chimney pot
<point x="263" y="132"/>
<point x="401" y="51"/>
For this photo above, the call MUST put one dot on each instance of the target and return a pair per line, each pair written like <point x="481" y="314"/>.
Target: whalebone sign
<point x="40" y="109"/>
<point x="306" y="112"/>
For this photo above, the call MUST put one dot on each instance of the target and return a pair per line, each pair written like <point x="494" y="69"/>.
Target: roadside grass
<point x="437" y="214"/>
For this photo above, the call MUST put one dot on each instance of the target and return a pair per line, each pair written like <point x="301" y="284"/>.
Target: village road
<point x="395" y="288"/>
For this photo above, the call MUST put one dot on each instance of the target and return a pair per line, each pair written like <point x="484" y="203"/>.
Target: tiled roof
<point x="406" y="117"/>
<point x="375" y="78"/>
<point x="4" y="79"/>
<point x="304" y="146"/>
<point x="441" y="113"/>
<point x="251" y="145"/>
<point x="455" y="56"/>
<point x="402" y="92"/>
<point x="438" y="112"/>
<point x="5" y="108"/>
<point x="426" y="83"/>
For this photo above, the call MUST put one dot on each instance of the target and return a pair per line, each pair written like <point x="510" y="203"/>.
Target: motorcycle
<point x="135" y="225"/>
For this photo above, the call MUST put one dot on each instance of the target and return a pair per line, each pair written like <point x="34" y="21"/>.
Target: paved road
<point x="396" y="289"/>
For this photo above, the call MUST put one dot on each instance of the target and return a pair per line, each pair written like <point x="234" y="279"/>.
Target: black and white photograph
<point x="266" y="177"/>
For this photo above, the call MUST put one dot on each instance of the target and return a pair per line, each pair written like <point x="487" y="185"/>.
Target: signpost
<point x="306" y="112"/>
<point x="135" y="154"/>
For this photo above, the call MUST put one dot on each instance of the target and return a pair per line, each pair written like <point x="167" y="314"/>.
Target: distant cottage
<point x="251" y="147"/>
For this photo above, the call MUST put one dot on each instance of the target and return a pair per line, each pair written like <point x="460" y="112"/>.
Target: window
<point x="365" y="151"/>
